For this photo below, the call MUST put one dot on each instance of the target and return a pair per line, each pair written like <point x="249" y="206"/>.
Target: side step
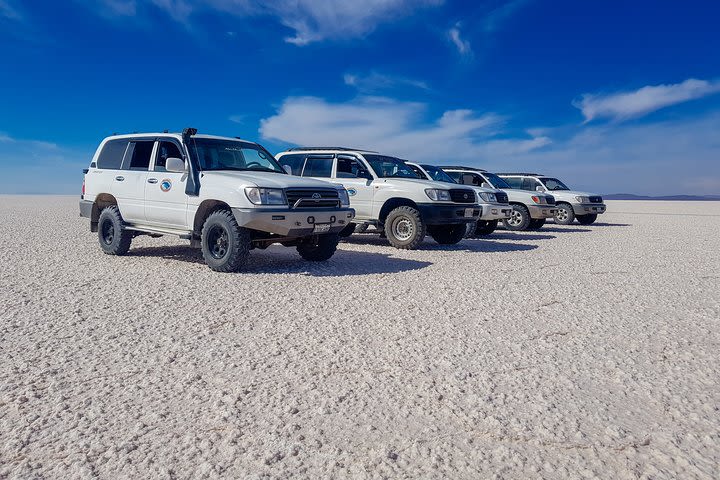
<point x="184" y="234"/>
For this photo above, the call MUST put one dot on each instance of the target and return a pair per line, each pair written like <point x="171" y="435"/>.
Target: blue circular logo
<point x="352" y="192"/>
<point x="165" y="185"/>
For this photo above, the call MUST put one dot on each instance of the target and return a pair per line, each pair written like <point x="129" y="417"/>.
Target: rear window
<point x="138" y="155"/>
<point x="112" y="154"/>
<point x="514" y="182"/>
<point x="294" y="161"/>
<point x="318" y="167"/>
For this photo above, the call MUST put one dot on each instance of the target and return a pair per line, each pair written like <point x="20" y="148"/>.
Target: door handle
<point x="119" y="178"/>
<point x="152" y="180"/>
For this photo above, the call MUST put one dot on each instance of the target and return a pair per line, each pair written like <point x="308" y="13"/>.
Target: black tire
<point x="225" y="245"/>
<point x="519" y="220"/>
<point x="586" y="219"/>
<point x="361" y="227"/>
<point x="536" y="223"/>
<point x="113" y="238"/>
<point x="447" y="234"/>
<point x="485" y="227"/>
<point x="319" y="248"/>
<point x="404" y="228"/>
<point x="565" y="215"/>
<point x="470" y="230"/>
<point x="348" y="230"/>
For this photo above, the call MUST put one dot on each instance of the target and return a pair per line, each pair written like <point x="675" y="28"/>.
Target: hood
<point x="266" y="179"/>
<point x="572" y="193"/>
<point x="424" y="183"/>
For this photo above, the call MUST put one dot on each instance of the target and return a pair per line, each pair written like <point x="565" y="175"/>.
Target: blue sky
<point x="612" y="96"/>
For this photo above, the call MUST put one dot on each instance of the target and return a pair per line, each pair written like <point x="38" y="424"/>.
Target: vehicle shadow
<point x="506" y="235"/>
<point x="600" y="224"/>
<point x="467" y="244"/>
<point x="561" y="229"/>
<point x="281" y="260"/>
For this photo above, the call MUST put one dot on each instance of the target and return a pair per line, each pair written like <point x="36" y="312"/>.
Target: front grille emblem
<point x="316" y="196"/>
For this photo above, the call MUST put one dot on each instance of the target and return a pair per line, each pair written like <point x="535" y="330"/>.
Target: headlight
<point x="437" y="194"/>
<point x="266" y="196"/>
<point x="582" y="199"/>
<point x="344" y="197"/>
<point x="488" y="197"/>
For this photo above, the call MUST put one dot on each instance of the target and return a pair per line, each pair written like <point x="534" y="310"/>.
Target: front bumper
<point x="293" y="222"/>
<point x="588" y="208"/>
<point x="445" y="214"/>
<point x="495" y="211"/>
<point x="86" y="208"/>
<point x="542" y="211"/>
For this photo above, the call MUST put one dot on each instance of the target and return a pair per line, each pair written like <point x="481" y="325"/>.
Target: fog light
<point x="332" y="219"/>
<point x="494" y="211"/>
<point x="311" y="219"/>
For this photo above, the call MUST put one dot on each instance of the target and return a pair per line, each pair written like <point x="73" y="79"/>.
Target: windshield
<point x="386" y="167"/>
<point x="437" y="174"/>
<point x="496" y="181"/>
<point x="553" y="184"/>
<point x="217" y="154"/>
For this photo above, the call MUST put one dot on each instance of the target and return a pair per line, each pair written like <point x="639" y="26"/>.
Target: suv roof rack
<point x="459" y="167"/>
<point x="527" y="174"/>
<point x="344" y="149"/>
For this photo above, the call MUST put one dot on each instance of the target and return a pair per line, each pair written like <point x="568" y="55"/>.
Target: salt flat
<point x="571" y="352"/>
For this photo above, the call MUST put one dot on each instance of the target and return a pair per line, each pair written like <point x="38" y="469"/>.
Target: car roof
<point x="174" y="135"/>
<point x="519" y="174"/>
<point x="455" y="167"/>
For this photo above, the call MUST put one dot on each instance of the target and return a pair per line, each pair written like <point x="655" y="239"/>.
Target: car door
<point x="128" y="184"/>
<point x="165" y="198"/>
<point x="355" y="176"/>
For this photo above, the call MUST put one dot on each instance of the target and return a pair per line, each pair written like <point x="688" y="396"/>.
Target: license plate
<point x="321" y="228"/>
<point x="468" y="212"/>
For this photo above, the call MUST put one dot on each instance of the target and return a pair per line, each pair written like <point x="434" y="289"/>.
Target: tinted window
<point x="514" y="182"/>
<point x="294" y="161"/>
<point x="112" y="154"/>
<point x="348" y="167"/>
<point x="455" y="176"/>
<point x="138" y="155"/>
<point x="387" y="167"/>
<point x="166" y="150"/>
<point x="530" y="184"/>
<point x="419" y="172"/>
<point x="318" y="166"/>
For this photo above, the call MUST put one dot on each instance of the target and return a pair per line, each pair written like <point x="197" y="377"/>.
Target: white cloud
<point x="394" y="127"/>
<point x="626" y="105"/>
<point x="463" y="46"/>
<point x="373" y="82"/>
<point x="311" y="20"/>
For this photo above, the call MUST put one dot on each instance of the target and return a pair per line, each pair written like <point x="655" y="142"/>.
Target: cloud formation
<point x="311" y="20"/>
<point x="463" y="46"/>
<point x="373" y="82"/>
<point x="627" y="105"/>
<point x="394" y="127"/>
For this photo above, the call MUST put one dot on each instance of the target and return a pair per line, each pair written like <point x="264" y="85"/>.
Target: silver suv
<point x="571" y="204"/>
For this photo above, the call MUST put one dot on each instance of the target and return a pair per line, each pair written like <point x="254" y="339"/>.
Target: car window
<point x="137" y="156"/>
<point x="111" y="155"/>
<point x="530" y="184"/>
<point x="320" y="166"/>
<point x="419" y="172"/>
<point x="514" y="182"/>
<point x="455" y="176"/>
<point x="295" y="161"/>
<point x="349" y="167"/>
<point x="166" y="150"/>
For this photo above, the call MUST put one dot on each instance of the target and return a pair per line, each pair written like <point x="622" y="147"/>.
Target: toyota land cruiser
<point x="571" y="204"/>
<point x="225" y="195"/>
<point x="387" y="193"/>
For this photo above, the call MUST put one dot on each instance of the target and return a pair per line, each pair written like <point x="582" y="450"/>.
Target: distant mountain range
<point x="630" y="196"/>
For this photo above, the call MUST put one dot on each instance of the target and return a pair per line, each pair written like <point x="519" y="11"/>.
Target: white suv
<point x="225" y="195"/>
<point x="583" y="206"/>
<point x="494" y="202"/>
<point x="387" y="193"/>
<point x="530" y="210"/>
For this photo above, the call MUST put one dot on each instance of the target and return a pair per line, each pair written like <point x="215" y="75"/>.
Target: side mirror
<point x="288" y="169"/>
<point x="174" y="165"/>
<point x="539" y="188"/>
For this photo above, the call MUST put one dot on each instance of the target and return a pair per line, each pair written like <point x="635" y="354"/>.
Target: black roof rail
<point x="458" y="167"/>
<point x="528" y="174"/>
<point x="344" y="149"/>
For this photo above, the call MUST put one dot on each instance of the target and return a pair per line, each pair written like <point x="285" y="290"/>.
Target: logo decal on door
<point x="166" y="185"/>
<point x="351" y="191"/>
